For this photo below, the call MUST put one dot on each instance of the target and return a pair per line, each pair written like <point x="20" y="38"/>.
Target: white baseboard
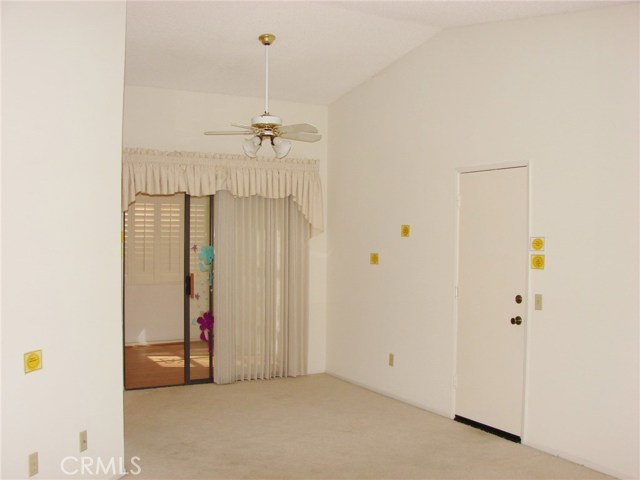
<point x="543" y="448"/>
<point x="419" y="405"/>
<point x="580" y="461"/>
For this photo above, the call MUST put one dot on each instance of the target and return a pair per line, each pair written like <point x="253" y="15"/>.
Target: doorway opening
<point x="168" y="291"/>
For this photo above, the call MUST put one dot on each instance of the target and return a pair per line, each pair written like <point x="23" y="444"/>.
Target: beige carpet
<point x="315" y="427"/>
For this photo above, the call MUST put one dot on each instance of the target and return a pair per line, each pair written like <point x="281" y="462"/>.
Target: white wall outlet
<point x="33" y="464"/>
<point x="83" y="441"/>
<point x="391" y="359"/>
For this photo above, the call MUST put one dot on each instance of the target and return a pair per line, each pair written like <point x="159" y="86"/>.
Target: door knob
<point x="516" y="321"/>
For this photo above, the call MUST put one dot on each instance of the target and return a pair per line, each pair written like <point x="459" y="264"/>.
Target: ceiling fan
<point x="268" y="127"/>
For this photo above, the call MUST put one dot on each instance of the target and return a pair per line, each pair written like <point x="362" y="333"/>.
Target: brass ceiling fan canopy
<point x="267" y="38"/>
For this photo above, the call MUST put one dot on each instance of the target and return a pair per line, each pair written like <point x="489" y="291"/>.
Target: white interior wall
<point x="175" y="120"/>
<point x="62" y="94"/>
<point x="558" y="93"/>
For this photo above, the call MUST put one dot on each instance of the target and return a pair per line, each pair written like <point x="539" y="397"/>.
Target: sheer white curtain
<point x="260" y="288"/>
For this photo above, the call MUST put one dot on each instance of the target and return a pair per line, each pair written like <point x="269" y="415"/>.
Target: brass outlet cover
<point x="537" y="244"/>
<point x="537" y="262"/>
<point x="32" y="361"/>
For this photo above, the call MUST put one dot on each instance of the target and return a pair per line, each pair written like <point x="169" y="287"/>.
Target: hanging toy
<point x="206" y="255"/>
<point x="206" y="328"/>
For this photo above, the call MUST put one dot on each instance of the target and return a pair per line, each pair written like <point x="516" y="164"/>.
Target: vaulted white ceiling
<point x="323" y="49"/>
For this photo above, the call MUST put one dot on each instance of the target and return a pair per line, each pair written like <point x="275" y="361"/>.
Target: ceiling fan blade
<point x="298" y="127"/>
<point x="302" y="136"/>
<point x="246" y="127"/>
<point x="229" y="133"/>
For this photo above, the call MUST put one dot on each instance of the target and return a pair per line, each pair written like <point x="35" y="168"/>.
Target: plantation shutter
<point x="153" y="234"/>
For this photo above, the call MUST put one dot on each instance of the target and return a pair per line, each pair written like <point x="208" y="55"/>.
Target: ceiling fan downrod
<point x="266" y="39"/>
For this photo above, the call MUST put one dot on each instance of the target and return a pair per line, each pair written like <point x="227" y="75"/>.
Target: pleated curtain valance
<point x="156" y="172"/>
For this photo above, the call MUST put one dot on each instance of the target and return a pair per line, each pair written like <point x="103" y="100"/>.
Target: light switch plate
<point x="33" y="464"/>
<point x="538" y="301"/>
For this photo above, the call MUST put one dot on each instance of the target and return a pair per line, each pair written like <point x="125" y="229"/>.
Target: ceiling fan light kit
<point x="269" y="126"/>
<point x="250" y="146"/>
<point x="280" y="146"/>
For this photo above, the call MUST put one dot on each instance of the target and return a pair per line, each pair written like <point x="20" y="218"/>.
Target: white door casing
<point x="493" y="239"/>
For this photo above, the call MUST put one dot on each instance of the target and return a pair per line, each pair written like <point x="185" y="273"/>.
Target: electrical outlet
<point x="83" y="441"/>
<point x="391" y="359"/>
<point x="33" y="464"/>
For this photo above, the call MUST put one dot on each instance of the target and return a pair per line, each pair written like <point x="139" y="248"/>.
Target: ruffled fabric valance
<point x="155" y="172"/>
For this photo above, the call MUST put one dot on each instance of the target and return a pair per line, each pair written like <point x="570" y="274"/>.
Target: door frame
<point x="187" y="294"/>
<point x="456" y="272"/>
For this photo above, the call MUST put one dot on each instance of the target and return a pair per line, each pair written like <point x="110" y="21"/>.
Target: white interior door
<point x="492" y="273"/>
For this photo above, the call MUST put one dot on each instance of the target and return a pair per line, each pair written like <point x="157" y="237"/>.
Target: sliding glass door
<point x="168" y="278"/>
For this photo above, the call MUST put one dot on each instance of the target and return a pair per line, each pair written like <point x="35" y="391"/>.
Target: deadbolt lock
<point x="516" y="321"/>
<point x="518" y="299"/>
